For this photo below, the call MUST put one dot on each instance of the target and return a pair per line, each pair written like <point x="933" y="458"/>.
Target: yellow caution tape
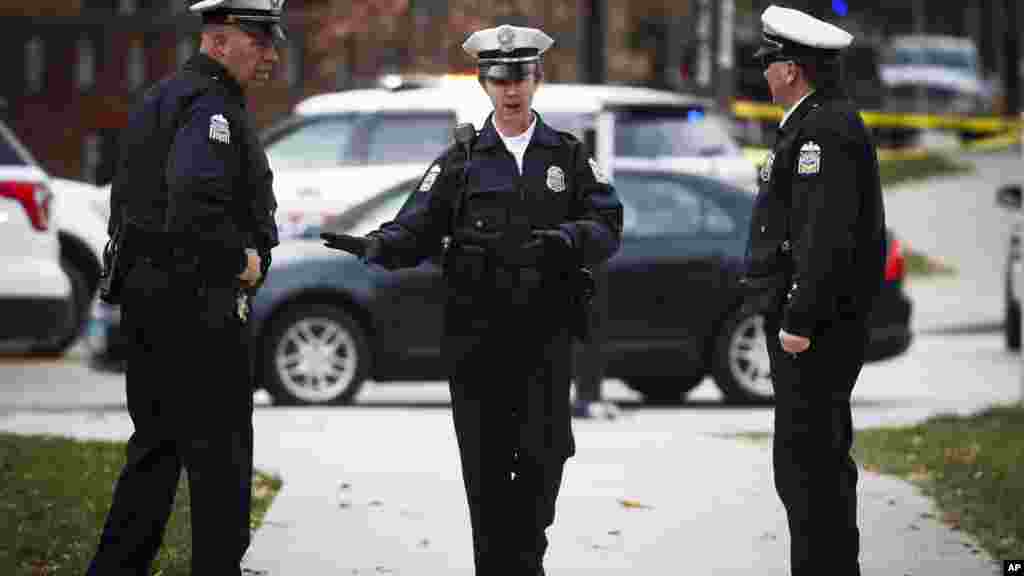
<point x="745" y="109"/>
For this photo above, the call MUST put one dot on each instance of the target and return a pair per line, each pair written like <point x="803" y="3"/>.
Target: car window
<point x="676" y="132"/>
<point x="368" y="216"/>
<point x="658" y="206"/>
<point x="575" y="124"/>
<point x="12" y="153"/>
<point x="320" y="143"/>
<point x="409" y="138"/>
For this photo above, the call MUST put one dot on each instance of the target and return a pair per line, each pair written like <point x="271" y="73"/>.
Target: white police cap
<point x="791" y="33"/>
<point x="257" y="15"/>
<point x="507" y="52"/>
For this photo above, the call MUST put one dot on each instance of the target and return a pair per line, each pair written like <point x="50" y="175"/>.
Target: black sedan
<point x="324" y="322"/>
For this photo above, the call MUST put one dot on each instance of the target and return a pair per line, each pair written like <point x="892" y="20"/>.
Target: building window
<point x="136" y="66"/>
<point x="126" y="7"/>
<point x="86" y="66"/>
<point x="185" y="50"/>
<point x="35" y="65"/>
<point x="90" y="156"/>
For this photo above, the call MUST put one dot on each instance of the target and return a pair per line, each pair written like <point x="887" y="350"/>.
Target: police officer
<point x="193" y="197"/>
<point x="520" y="207"/>
<point x="816" y="260"/>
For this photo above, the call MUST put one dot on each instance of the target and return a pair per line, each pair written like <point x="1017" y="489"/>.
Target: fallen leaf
<point x="375" y="503"/>
<point x="872" y="468"/>
<point x="344" y="486"/>
<point x="926" y="515"/>
<point x="626" y="503"/>
<point x="615" y="532"/>
<point x="344" y="504"/>
<point x="952" y="519"/>
<point x="769" y="536"/>
<point x="424" y="543"/>
<point x="914" y="527"/>
<point x="977" y="475"/>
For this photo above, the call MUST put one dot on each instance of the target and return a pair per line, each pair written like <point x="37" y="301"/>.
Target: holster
<point x="113" y="271"/>
<point x="764" y="293"/>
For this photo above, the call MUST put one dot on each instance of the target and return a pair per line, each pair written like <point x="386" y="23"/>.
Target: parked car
<point x="324" y="323"/>
<point x="341" y="148"/>
<point x="35" y="292"/>
<point x="934" y="74"/>
<point x="1009" y="197"/>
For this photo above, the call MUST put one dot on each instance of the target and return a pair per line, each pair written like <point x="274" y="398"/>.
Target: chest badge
<point x="556" y="179"/>
<point x="766" y="167"/>
<point x="220" y="131"/>
<point x="810" y="159"/>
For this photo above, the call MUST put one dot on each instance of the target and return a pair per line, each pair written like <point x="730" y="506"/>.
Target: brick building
<point x="73" y="68"/>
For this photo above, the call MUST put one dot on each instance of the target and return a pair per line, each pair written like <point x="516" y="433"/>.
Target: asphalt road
<point x="956" y="363"/>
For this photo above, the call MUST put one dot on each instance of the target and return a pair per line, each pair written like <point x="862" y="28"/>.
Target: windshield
<point x="323" y="142"/>
<point x="679" y="133"/>
<point x="944" y="58"/>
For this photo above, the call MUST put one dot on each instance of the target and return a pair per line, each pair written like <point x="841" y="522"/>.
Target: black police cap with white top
<point x="258" y="16"/>
<point x="507" y="52"/>
<point x="789" y="34"/>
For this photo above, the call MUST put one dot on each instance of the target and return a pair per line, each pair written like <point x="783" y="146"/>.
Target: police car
<point x="340" y="148"/>
<point x="35" y="292"/>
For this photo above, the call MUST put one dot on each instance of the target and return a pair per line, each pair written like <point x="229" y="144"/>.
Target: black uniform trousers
<point x="510" y="405"/>
<point x="190" y="400"/>
<point x="815" y="475"/>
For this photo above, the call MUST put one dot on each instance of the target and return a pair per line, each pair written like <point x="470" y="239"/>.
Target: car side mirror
<point x="1009" y="197"/>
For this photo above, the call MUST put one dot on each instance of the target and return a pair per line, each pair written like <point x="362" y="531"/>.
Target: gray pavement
<point x="376" y="488"/>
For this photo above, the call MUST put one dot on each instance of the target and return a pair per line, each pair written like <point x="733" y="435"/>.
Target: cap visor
<point x="510" y="71"/>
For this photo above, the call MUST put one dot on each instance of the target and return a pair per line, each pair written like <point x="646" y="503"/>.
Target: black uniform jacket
<point x="561" y="188"/>
<point x="819" y="219"/>
<point x="191" y="163"/>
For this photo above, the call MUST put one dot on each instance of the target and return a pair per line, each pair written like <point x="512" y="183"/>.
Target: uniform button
<point x="479" y="223"/>
<point x="763" y="228"/>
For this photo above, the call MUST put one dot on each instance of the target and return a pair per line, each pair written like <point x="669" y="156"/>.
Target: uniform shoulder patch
<point x="809" y="161"/>
<point x="220" y="130"/>
<point x="428" y="180"/>
<point x="598" y="174"/>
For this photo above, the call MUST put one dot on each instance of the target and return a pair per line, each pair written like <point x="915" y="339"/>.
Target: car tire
<point x="1011" y="328"/>
<point x="660" y="390"/>
<point x="740" y="365"/>
<point x="78" y="313"/>
<point x="315" y="354"/>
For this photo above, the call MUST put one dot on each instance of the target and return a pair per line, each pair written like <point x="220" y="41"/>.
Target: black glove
<point x="366" y="248"/>
<point x="558" y="249"/>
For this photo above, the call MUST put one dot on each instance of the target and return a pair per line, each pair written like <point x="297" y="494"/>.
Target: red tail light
<point x="34" y="198"/>
<point x="895" y="261"/>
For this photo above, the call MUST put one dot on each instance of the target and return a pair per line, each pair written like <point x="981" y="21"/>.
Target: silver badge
<point x="598" y="174"/>
<point x="766" y="167"/>
<point x="810" y="159"/>
<point x="556" y="179"/>
<point x="430" y="178"/>
<point x="506" y="39"/>
<point x="220" y="131"/>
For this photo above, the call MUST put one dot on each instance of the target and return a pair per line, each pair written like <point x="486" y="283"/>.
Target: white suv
<point x="337" y="149"/>
<point x="35" y="292"/>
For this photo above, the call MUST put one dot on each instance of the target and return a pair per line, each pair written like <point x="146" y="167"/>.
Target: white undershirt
<point x="790" y="111"/>
<point x="517" y="144"/>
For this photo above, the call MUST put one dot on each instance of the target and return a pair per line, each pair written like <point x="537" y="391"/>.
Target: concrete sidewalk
<point x="378" y="491"/>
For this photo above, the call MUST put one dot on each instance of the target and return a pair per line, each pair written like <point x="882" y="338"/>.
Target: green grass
<point x="971" y="466"/>
<point x="929" y="165"/>
<point x="54" y="497"/>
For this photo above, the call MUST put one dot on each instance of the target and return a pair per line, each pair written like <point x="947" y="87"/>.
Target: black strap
<point x="463" y="182"/>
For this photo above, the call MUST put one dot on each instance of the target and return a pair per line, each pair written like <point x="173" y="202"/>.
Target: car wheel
<point x="315" y="354"/>
<point x="1011" y="329"/>
<point x="78" y="314"/>
<point x="662" y="389"/>
<point x="740" y="366"/>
